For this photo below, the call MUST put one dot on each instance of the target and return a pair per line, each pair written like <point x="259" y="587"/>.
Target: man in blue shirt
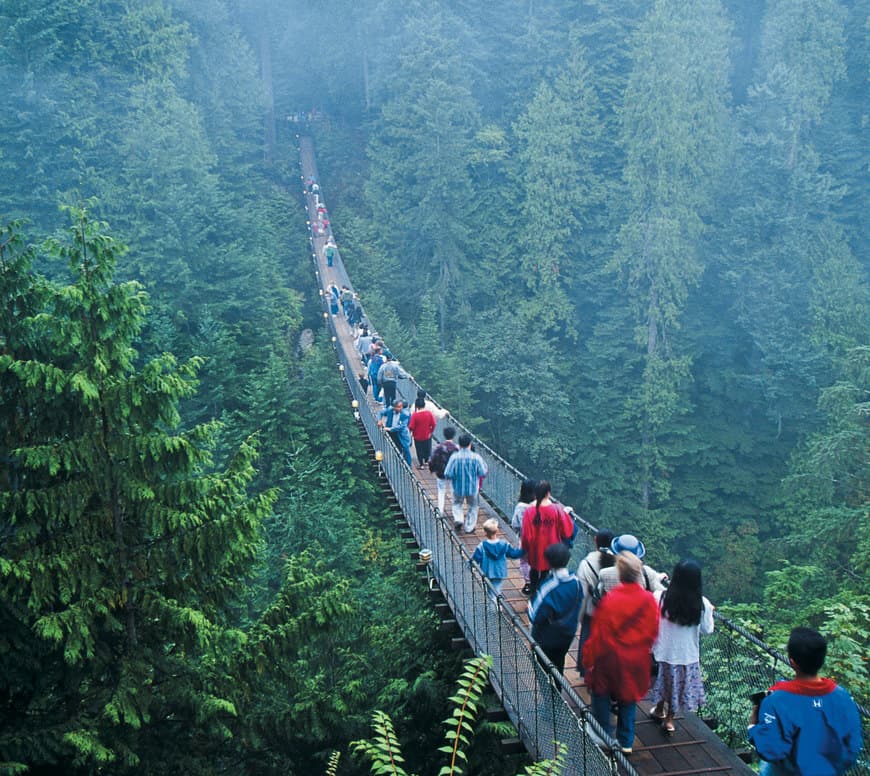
<point x="807" y="725"/>
<point x="465" y="470"/>
<point x="395" y="420"/>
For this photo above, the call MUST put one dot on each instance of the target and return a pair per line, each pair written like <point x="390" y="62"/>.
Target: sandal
<point x="657" y="715"/>
<point x="668" y="728"/>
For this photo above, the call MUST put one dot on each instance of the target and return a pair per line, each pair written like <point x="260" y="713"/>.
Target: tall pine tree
<point x="122" y="544"/>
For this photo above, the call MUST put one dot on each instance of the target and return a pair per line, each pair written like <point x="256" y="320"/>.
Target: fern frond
<point x="469" y="691"/>
<point x="554" y="767"/>
<point x="332" y="765"/>
<point x="383" y="749"/>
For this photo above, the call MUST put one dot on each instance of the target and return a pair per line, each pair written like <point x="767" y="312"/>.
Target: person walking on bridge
<point x="395" y="420"/>
<point x="650" y="579"/>
<point x="685" y="615"/>
<point x="422" y="426"/>
<point x="492" y="554"/>
<point x="329" y="251"/>
<point x="389" y="375"/>
<point x="617" y="655"/>
<point x="438" y="463"/>
<point x="464" y="470"/>
<point x="544" y="523"/>
<point x="376" y="360"/>
<point x="588" y="572"/>
<point x="555" y="611"/>
<point x="363" y="344"/>
<point x="527" y="496"/>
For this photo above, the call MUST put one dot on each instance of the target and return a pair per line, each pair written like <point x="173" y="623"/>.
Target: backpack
<point x="439" y="458"/>
<point x="596" y="592"/>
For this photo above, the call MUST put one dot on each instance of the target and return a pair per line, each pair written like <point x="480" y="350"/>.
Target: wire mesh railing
<point x="540" y="703"/>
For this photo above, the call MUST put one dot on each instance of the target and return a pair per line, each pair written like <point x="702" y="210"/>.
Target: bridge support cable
<point x="541" y="704"/>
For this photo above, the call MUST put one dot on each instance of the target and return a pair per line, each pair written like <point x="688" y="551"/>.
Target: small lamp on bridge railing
<point x="320" y="291"/>
<point x="355" y="405"/>
<point x="325" y="316"/>
<point x="379" y="457"/>
<point x="425" y="556"/>
<point x="341" y="367"/>
<point x="335" y="339"/>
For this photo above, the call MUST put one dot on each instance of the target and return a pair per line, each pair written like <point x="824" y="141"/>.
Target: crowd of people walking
<point x="638" y="630"/>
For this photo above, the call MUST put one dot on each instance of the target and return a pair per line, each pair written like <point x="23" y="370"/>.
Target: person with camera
<point x="807" y="725"/>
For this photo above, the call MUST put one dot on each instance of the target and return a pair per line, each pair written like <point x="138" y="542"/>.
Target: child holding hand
<point x="492" y="554"/>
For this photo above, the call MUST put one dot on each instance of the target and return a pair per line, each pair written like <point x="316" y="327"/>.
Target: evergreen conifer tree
<point x="122" y="544"/>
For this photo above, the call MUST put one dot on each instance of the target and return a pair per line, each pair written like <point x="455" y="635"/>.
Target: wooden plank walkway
<point x="694" y="748"/>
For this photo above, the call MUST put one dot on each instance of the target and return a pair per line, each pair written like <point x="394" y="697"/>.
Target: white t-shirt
<point x="679" y="645"/>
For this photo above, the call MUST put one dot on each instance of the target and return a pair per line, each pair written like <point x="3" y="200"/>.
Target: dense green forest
<point x="624" y="241"/>
<point x="627" y="241"/>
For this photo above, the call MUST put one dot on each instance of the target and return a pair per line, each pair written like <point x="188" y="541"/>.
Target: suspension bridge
<point x="544" y="706"/>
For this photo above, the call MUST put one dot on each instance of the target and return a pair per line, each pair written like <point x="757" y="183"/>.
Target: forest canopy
<point x="626" y="242"/>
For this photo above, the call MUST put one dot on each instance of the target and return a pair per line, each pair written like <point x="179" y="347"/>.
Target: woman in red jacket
<point x="617" y="655"/>
<point x="422" y="426"/>
<point x="544" y="523"/>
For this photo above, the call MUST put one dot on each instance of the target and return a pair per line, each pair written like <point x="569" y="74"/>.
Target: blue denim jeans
<point x="624" y="718"/>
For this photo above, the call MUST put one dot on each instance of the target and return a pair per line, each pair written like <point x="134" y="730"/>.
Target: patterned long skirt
<point x="681" y="687"/>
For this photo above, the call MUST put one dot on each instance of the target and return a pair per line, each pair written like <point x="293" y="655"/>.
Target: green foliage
<point x="552" y="767"/>
<point x="384" y="751"/>
<point x="332" y="768"/>
<point x="106" y="563"/>
<point x="472" y="683"/>
<point x="639" y="245"/>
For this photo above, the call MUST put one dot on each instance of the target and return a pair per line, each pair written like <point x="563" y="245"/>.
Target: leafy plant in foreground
<point x="384" y="749"/>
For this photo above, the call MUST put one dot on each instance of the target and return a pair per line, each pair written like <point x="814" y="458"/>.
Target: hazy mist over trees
<point x="626" y="242"/>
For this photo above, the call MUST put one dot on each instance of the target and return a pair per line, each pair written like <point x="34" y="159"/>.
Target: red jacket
<point x="422" y="425"/>
<point x="555" y="526"/>
<point x="617" y="654"/>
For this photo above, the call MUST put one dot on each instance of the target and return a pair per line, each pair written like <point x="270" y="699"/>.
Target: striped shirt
<point x="464" y="470"/>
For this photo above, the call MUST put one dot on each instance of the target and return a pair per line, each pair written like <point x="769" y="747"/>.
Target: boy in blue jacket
<point x="555" y="612"/>
<point x="492" y="554"/>
<point x="807" y="725"/>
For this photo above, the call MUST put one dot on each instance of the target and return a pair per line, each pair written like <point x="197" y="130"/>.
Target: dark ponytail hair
<point x="603" y="540"/>
<point x="682" y="602"/>
<point x="542" y="490"/>
<point x="527" y="491"/>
